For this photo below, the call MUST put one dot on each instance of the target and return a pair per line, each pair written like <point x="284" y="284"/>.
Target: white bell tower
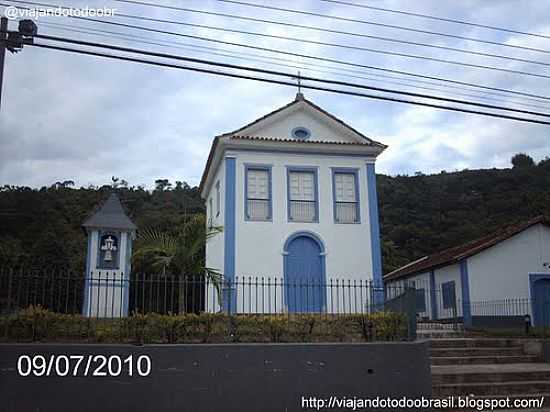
<point x="108" y="261"/>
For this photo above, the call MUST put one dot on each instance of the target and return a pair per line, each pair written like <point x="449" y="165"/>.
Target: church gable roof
<point x="340" y="132"/>
<point x="110" y="215"/>
<point x="275" y="130"/>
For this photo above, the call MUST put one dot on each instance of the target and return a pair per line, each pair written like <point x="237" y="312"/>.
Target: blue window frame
<point x="345" y="195"/>
<point x="420" y="300"/>
<point x="448" y="294"/>
<point x="301" y="133"/>
<point x="302" y="194"/>
<point x="258" y="202"/>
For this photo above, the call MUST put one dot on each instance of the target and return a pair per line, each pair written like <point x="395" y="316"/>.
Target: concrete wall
<point x="203" y="378"/>
<point x="502" y="271"/>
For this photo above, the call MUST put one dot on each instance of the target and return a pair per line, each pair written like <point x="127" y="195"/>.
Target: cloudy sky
<point x="66" y="116"/>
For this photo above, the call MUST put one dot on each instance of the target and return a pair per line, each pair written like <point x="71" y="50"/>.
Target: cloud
<point x="66" y="116"/>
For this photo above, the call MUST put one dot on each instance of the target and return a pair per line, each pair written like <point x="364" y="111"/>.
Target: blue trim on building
<point x="533" y="278"/>
<point x="315" y="237"/>
<point x="126" y="274"/>
<point x="86" y="303"/>
<point x="374" y="225"/>
<point x="315" y="171"/>
<point x="257" y="166"/>
<point x="350" y="170"/>
<point x="307" y="233"/>
<point x="230" y="299"/>
<point x="465" y="287"/>
<point x="433" y="297"/>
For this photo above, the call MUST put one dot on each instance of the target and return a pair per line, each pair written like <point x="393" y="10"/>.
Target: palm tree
<point x="179" y="251"/>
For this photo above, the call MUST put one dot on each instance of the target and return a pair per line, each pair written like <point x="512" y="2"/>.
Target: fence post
<point x="455" y="315"/>
<point x="410" y="311"/>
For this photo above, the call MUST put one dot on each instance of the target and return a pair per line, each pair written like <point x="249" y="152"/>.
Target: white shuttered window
<point x="258" y="194"/>
<point x="302" y="196"/>
<point x="346" y="199"/>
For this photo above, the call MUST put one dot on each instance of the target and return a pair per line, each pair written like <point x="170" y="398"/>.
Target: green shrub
<point x="38" y="324"/>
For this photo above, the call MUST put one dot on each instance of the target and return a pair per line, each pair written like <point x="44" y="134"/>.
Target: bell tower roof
<point x="110" y="215"/>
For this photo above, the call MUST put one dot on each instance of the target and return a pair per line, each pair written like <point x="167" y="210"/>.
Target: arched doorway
<point x="304" y="273"/>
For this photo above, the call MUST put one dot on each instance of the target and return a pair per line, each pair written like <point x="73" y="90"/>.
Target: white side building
<point x="496" y="280"/>
<point x="295" y="192"/>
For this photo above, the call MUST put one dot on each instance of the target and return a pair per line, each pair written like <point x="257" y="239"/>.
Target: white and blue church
<point x="295" y="193"/>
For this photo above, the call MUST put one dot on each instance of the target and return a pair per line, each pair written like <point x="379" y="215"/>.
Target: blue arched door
<point x="304" y="274"/>
<point x="542" y="302"/>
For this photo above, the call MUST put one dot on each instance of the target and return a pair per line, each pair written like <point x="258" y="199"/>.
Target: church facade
<point x="295" y="193"/>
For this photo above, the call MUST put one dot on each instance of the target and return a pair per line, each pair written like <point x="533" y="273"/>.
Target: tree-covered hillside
<point x="419" y="214"/>
<point x="422" y="214"/>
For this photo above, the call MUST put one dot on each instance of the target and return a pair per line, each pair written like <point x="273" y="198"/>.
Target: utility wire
<point x="286" y="83"/>
<point x="282" y="74"/>
<point x="306" y="56"/>
<point x="427" y="16"/>
<point x="342" y="46"/>
<point x="326" y="30"/>
<point x="274" y="61"/>
<point x="331" y="44"/>
<point x="391" y="26"/>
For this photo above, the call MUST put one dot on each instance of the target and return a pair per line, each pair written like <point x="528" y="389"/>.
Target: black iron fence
<point x="108" y="296"/>
<point x="114" y="294"/>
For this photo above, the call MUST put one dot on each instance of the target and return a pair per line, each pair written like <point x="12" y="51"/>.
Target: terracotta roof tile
<point x="289" y="140"/>
<point x="457" y="253"/>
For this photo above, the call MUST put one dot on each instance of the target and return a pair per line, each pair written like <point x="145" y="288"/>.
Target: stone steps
<point x="546" y="406"/>
<point x="475" y="343"/>
<point x="483" y="360"/>
<point x="476" y="351"/>
<point x="488" y="377"/>
<point x="487" y="368"/>
<point x="492" y="388"/>
<point x="437" y="334"/>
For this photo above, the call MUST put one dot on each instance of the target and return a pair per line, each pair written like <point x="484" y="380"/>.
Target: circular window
<point x="301" y="133"/>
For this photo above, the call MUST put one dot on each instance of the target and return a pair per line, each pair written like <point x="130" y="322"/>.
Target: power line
<point x="269" y="60"/>
<point x="326" y="30"/>
<point x="286" y="83"/>
<point x="283" y="74"/>
<point x="390" y="26"/>
<point x="306" y="56"/>
<point x="427" y="16"/>
<point x="342" y="46"/>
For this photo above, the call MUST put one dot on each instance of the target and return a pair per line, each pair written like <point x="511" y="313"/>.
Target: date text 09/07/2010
<point x="83" y="365"/>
